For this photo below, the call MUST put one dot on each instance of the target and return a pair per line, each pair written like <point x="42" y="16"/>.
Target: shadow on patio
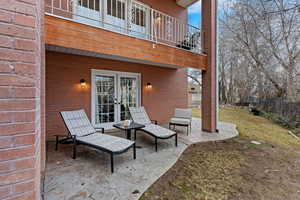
<point x="89" y="176"/>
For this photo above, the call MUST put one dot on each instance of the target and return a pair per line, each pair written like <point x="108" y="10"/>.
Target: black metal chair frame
<point x="156" y="138"/>
<point x="112" y="154"/>
<point x="77" y="142"/>
<point x="188" y="126"/>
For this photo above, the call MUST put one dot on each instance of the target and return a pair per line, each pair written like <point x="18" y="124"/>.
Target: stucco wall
<point x="168" y="7"/>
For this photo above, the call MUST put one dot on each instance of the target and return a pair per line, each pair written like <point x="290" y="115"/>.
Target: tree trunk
<point x="291" y="86"/>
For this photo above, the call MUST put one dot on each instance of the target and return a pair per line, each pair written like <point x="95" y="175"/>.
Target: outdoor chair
<point x="140" y="116"/>
<point x="182" y="117"/>
<point x="82" y="132"/>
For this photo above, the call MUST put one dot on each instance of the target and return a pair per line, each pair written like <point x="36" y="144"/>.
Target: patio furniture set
<point x="81" y="131"/>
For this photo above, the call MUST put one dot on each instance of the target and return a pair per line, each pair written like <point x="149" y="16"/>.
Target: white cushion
<point x="139" y="115"/>
<point x="183" y="113"/>
<point x="77" y="122"/>
<point x="182" y="121"/>
<point x="159" y="131"/>
<point x="111" y="143"/>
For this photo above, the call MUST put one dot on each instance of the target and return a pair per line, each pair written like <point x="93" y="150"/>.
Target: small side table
<point x="127" y="129"/>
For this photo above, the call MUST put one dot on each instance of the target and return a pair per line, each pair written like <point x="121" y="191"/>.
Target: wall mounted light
<point x="82" y="83"/>
<point x="148" y="86"/>
<point x="157" y="20"/>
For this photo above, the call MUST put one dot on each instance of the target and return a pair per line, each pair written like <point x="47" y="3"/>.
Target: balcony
<point x="130" y="18"/>
<point x="133" y="20"/>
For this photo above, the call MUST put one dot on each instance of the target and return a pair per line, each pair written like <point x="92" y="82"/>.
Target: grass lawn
<point x="255" y="127"/>
<point x="236" y="169"/>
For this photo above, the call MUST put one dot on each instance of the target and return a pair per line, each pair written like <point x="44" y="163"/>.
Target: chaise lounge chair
<point x="140" y="116"/>
<point x="82" y="132"/>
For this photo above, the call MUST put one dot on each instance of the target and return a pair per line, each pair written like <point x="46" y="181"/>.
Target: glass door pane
<point x="88" y="12"/>
<point x="115" y="15"/>
<point x="105" y="110"/>
<point x="140" y="20"/>
<point x="128" y="96"/>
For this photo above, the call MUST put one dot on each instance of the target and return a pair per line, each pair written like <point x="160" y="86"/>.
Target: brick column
<point x="21" y="70"/>
<point x="209" y="93"/>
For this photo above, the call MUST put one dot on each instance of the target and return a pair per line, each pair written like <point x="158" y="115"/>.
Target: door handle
<point x="117" y="103"/>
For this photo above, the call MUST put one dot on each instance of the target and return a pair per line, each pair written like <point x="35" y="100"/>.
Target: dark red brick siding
<point x="63" y="92"/>
<point x="21" y="61"/>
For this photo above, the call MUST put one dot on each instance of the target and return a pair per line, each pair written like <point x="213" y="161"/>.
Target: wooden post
<point x="209" y="91"/>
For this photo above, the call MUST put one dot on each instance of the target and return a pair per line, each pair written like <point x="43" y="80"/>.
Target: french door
<point x="88" y="12"/>
<point x="123" y="16"/>
<point x="140" y="20"/>
<point x="112" y="95"/>
<point x="115" y="15"/>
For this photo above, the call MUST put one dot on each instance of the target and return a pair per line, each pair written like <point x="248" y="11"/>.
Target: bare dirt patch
<point x="231" y="170"/>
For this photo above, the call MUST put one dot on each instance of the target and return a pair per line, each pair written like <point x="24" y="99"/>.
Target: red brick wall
<point x="63" y="92"/>
<point x="20" y="108"/>
<point x="169" y="7"/>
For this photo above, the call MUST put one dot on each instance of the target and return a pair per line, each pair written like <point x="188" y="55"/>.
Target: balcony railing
<point x="131" y="18"/>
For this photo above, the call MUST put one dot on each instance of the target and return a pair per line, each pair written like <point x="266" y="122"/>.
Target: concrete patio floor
<point x="89" y="177"/>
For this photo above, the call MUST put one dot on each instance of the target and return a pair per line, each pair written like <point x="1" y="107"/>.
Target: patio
<point x="89" y="176"/>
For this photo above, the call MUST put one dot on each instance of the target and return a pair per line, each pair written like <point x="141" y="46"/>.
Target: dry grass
<point x="235" y="169"/>
<point x="256" y="127"/>
<point x="203" y="172"/>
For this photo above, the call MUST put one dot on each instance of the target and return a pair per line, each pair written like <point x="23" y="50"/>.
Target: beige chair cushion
<point x="111" y="143"/>
<point x="158" y="131"/>
<point x="183" y="113"/>
<point x="77" y="122"/>
<point x="181" y="121"/>
<point x="139" y="115"/>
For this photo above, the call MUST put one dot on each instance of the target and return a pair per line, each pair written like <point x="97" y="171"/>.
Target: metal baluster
<point x="176" y="31"/>
<point x="192" y="38"/>
<point x="171" y="29"/>
<point x="163" y="27"/>
<point x="182" y="33"/>
<point x="145" y="20"/>
<point x="111" y="5"/>
<point x="165" y="20"/>
<point x="166" y="28"/>
<point x="140" y="15"/>
<point x="52" y="6"/>
<point x="121" y="15"/>
<point x="130" y="14"/>
<point x="159" y="26"/>
<point x="151" y="24"/>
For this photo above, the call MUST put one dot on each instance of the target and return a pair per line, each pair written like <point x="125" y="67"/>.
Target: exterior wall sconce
<point x="82" y="83"/>
<point x="148" y="86"/>
<point x="157" y="20"/>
